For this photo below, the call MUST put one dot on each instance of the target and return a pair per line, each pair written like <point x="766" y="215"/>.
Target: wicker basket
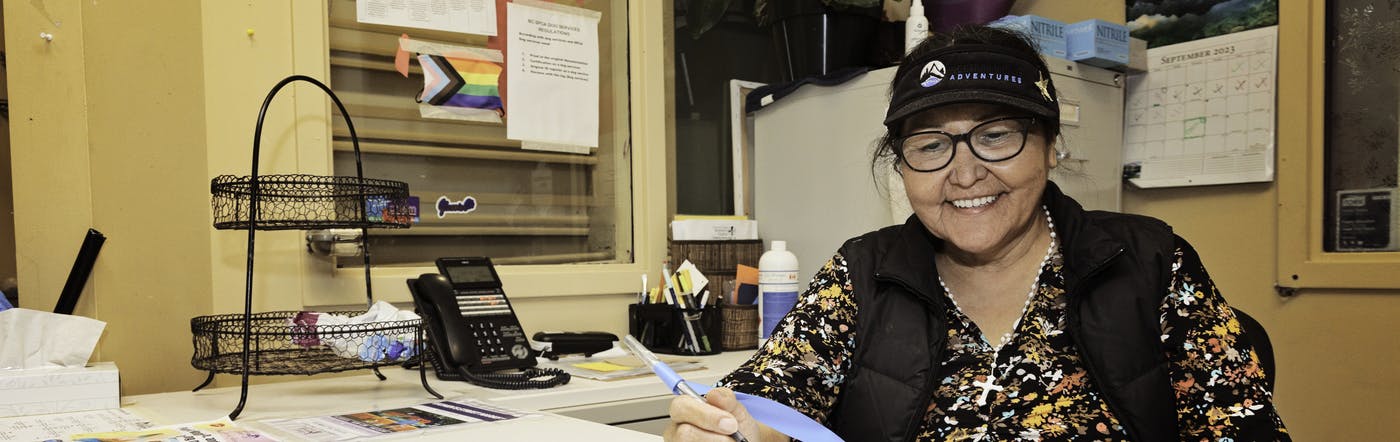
<point x="740" y="326"/>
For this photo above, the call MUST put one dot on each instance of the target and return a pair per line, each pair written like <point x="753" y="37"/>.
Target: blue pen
<point x="667" y="375"/>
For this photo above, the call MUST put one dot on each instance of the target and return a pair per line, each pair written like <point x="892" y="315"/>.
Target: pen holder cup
<point x="662" y="328"/>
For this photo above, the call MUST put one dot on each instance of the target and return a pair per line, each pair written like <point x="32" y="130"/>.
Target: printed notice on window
<point x="552" y="64"/>
<point x="465" y="16"/>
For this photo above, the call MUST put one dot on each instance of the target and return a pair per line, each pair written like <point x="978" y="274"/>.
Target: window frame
<point x="1301" y="148"/>
<point x="648" y="43"/>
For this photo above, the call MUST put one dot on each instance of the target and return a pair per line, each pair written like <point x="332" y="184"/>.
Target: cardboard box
<point x="1048" y="34"/>
<point x="59" y="390"/>
<point x="1098" y="43"/>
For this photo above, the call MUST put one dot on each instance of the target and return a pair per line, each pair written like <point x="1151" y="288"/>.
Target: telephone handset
<point x="472" y="329"/>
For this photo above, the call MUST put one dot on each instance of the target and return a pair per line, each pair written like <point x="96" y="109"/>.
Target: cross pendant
<point x="987" y="386"/>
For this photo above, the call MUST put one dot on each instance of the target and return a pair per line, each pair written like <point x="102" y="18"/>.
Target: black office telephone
<point x="472" y="330"/>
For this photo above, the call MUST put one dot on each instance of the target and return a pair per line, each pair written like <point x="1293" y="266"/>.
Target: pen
<point x="642" y="295"/>
<point x="667" y="375"/>
<point x="666" y="278"/>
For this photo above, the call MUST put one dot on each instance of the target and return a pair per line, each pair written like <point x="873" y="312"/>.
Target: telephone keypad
<point x="498" y="341"/>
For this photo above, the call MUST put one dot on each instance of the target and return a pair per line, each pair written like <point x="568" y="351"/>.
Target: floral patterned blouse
<point x="1039" y="388"/>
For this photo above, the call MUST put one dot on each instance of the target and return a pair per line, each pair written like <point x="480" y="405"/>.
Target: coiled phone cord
<point x="527" y="379"/>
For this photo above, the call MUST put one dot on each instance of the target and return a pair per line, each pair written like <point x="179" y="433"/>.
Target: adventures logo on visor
<point x="932" y="73"/>
<point x="972" y="73"/>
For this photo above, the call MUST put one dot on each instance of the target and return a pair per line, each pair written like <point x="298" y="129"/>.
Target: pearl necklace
<point x="989" y="385"/>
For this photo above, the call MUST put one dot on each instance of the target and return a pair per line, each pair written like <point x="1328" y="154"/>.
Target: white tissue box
<point x="59" y="390"/>
<point x="714" y="229"/>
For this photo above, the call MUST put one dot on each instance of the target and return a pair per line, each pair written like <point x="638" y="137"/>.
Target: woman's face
<point x="975" y="206"/>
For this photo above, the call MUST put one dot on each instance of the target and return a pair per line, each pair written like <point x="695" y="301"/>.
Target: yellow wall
<point x="121" y="122"/>
<point x="1335" y="350"/>
<point x="108" y="133"/>
<point x="7" y="202"/>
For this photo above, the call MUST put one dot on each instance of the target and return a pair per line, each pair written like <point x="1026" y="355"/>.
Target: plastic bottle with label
<point x="916" y="28"/>
<point x="777" y="287"/>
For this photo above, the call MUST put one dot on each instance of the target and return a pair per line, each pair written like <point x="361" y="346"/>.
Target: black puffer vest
<point x="1116" y="269"/>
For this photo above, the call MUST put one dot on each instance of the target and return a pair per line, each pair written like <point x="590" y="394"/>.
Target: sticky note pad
<point x="602" y="366"/>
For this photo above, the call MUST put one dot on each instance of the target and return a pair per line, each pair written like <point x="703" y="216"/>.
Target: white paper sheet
<point x="466" y="16"/>
<point x="398" y="421"/>
<point x="59" y="426"/>
<point x="552" y="64"/>
<point x="220" y="430"/>
<point x="1204" y="112"/>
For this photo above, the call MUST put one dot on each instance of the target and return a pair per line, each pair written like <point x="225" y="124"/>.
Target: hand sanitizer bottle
<point x="777" y="287"/>
<point x="916" y="28"/>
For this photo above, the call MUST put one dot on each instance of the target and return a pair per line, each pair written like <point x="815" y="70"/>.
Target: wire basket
<point x="281" y="346"/>
<point x="275" y="343"/>
<point x="306" y="202"/>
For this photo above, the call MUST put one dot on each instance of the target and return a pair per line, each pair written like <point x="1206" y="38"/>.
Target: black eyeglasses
<point x="991" y="141"/>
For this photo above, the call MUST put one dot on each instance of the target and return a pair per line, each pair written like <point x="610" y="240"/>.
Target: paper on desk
<point x="394" y="421"/>
<point x="619" y="367"/>
<point x="35" y="339"/>
<point x="603" y="366"/>
<point x="57" y="426"/>
<point x="221" y="430"/>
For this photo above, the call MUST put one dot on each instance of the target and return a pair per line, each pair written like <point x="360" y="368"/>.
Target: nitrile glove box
<point x="1048" y="34"/>
<point x="59" y="390"/>
<point x="1098" y="43"/>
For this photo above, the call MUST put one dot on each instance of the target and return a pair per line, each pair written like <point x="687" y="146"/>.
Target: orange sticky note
<point x="743" y="275"/>
<point x="746" y="275"/>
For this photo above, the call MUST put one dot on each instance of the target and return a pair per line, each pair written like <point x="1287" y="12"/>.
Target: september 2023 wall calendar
<point x="1204" y="113"/>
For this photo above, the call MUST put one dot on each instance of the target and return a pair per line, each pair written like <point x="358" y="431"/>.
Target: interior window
<point x="1362" y="92"/>
<point x="531" y="207"/>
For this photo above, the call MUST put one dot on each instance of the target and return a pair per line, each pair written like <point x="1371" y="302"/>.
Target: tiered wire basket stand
<point x="278" y="343"/>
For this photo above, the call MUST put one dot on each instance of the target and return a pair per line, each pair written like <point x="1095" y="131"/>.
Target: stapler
<point x="564" y="343"/>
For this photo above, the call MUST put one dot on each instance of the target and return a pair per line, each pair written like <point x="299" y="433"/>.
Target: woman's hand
<point x="713" y="420"/>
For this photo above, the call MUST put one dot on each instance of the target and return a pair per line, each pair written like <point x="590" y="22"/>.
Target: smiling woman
<point x="927" y="330"/>
<point x="984" y="202"/>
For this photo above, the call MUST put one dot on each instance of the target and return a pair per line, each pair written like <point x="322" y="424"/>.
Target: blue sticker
<point x="446" y="206"/>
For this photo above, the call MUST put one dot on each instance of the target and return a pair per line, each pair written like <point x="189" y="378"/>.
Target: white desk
<point x="577" y="411"/>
